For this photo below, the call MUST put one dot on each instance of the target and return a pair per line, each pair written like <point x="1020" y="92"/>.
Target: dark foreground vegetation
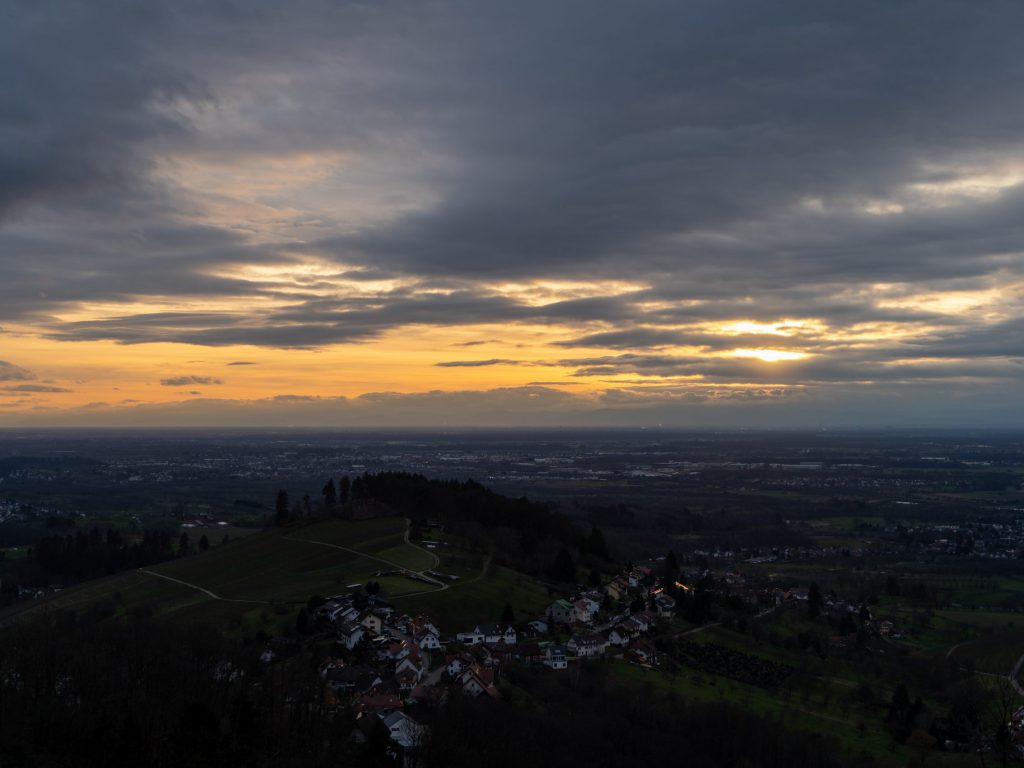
<point x="146" y="693"/>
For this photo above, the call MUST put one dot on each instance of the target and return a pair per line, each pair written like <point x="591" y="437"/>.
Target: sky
<point x="753" y="213"/>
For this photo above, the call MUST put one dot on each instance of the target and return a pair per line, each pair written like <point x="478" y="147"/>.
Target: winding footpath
<point x="201" y="589"/>
<point x="440" y="585"/>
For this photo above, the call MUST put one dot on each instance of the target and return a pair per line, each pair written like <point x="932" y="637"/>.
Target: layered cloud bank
<point x="543" y="213"/>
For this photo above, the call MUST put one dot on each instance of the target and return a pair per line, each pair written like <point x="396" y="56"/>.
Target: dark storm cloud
<point x="627" y="145"/>
<point x="751" y="160"/>
<point x="184" y="381"/>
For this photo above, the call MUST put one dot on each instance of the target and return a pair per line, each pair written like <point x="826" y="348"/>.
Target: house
<point x="373" y="623"/>
<point x="331" y="662"/>
<point x="641" y="651"/>
<point x="351" y="680"/>
<point x="374" y="702"/>
<point x="350" y="633"/>
<point x="529" y="653"/>
<point x="622" y="635"/>
<point x="398" y="651"/>
<point x="617" y="589"/>
<point x="587" y="645"/>
<point x="414" y="663"/>
<point x="665" y="606"/>
<point x="457" y="663"/>
<point x="421" y="625"/>
<point x="402" y="729"/>
<point x="406" y="678"/>
<point x="538" y="626"/>
<point x="472" y="637"/>
<point x="640" y="621"/>
<point x="478" y="681"/>
<point x="554" y="657"/>
<point x="562" y="612"/>
<point x="334" y="610"/>
<point x="430" y="695"/>
<point x="429" y="640"/>
<point x="488" y="633"/>
<point x="584" y="610"/>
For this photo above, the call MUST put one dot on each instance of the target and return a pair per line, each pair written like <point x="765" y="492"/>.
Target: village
<point x="389" y="667"/>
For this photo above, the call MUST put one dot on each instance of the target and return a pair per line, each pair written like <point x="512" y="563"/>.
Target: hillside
<point x="260" y="582"/>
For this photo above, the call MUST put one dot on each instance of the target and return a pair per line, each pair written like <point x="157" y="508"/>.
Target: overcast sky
<point x="471" y="213"/>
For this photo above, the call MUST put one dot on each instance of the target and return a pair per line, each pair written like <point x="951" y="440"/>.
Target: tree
<point x="814" y="601"/>
<point x="302" y="621"/>
<point x="183" y="545"/>
<point x="330" y="494"/>
<point x="596" y="545"/>
<point x="508" y="616"/>
<point x="281" y="508"/>
<point x="671" y="568"/>
<point x="595" y="577"/>
<point x="204" y="543"/>
<point x="343" y="489"/>
<point x="563" y="569"/>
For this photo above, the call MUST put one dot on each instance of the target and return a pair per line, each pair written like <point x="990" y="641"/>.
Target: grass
<point x="272" y="568"/>
<point x="278" y="570"/>
<point x="481" y="599"/>
<point x="822" y="707"/>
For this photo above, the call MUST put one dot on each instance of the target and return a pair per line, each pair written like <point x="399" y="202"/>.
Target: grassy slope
<point x="263" y="579"/>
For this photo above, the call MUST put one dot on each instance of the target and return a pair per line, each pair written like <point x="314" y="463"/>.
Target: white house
<point x="350" y="633"/>
<point x="413" y="663"/>
<point x="429" y="640"/>
<point x="554" y="657"/>
<point x="621" y="636"/>
<point x="562" y="612"/>
<point x="404" y="731"/>
<point x="373" y="623"/>
<point x="587" y="645"/>
<point x="584" y="610"/>
<point x="473" y="637"/>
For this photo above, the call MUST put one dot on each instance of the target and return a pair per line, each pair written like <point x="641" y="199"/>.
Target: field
<point x="259" y="582"/>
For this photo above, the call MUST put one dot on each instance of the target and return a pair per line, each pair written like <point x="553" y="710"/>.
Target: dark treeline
<point x="587" y="720"/>
<point x="86" y="555"/>
<point x="143" y="693"/>
<point x="460" y="500"/>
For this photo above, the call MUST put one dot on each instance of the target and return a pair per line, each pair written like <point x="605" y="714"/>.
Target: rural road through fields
<point x="201" y="589"/>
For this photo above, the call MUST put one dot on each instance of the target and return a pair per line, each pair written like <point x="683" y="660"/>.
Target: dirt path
<point x="433" y="556"/>
<point x="440" y="585"/>
<point x="201" y="589"/>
